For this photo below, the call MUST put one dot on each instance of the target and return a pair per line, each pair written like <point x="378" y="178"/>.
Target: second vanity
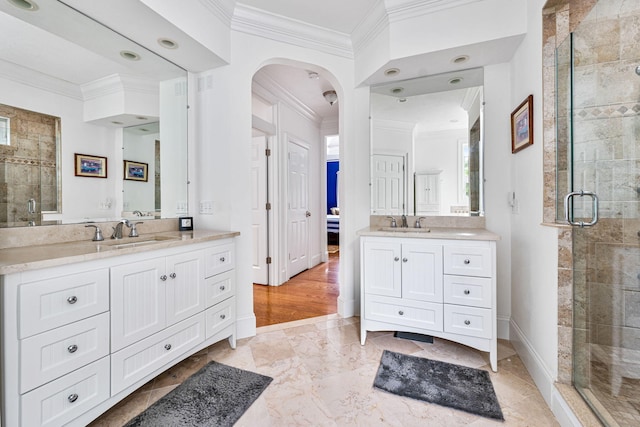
<point x="84" y="324"/>
<point x="433" y="281"/>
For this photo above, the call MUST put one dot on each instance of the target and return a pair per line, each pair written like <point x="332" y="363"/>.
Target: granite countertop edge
<point x="444" y="233"/>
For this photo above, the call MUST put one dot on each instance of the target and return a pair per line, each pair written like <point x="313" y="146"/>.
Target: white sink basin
<point x="405" y="230"/>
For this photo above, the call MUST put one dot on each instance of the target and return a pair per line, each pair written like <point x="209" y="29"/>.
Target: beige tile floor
<point x="323" y="377"/>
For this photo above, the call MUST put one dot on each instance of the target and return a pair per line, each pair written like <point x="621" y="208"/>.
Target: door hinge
<point x="268" y="260"/>
<point x="267" y="152"/>
<point x="268" y="206"/>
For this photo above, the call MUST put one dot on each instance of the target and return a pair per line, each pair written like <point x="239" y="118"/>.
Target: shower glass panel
<point x="600" y="91"/>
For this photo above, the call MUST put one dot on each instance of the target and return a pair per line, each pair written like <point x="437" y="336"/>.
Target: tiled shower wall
<point x="28" y="165"/>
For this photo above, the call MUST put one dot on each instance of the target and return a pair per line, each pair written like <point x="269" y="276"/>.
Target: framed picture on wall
<point x="522" y="125"/>
<point x="90" y="166"/>
<point x="135" y="171"/>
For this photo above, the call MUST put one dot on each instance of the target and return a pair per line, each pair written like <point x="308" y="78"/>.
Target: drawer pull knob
<point x="467" y="322"/>
<point x="163" y="277"/>
<point x="404" y="260"/>
<point x="467" y="261"/>
<point x="72" y="348"/>
<point x="222" y="316"/>
<point x="401" y="313"/>
<point x="396" y="259"/>
<point x="467" y="291"/>
<point x="72" y="397"/>
<point x="222" y="259"/>
<point x="72" y="300"/>
<point x="172" y="275"/>
<point x="222" y="287"/>
<point x="167" y="346"/>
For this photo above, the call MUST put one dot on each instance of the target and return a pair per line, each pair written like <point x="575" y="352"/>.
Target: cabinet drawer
<point x="417" y="314"/>
<point x="219" y="259"/>
<point x="220" y="316"/>
<point x="220" y="287"/>
<point x="52" y="354"/>
<point x="133" y="363"/>
<point x="471" y="321"/>
<point x="466" y="290"/>
<point x="62" y="400"/>
<point x="47" y="304"/>
<point x="468" y="261"/>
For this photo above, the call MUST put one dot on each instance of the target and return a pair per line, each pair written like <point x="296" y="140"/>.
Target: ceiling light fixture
<point x="390" y="72"/>
<point x="131" y="56"/>
<point x="331" y="96"/>
<point x="28" y="5"/>
<point x="167" y="43"/>
<point x="313" y="75"/>
<point x="142" y="118"/>
<point x="402" y="100"/>
<point x="455" y="80"/>
<point x="117" y="123"/>
<point x="397" y="90"/>
<point x="460" y="59"/>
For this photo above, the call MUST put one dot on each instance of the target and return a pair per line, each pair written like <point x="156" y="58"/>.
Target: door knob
<point x="308" y="214"/>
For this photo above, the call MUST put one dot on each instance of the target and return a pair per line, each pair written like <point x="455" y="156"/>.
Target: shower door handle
<point x="594" y="201"/>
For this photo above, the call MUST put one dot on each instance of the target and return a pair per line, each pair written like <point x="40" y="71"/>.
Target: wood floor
<point x="311" y="293"/>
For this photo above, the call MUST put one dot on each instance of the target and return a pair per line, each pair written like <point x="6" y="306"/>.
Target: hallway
<point x="312" y="293"/>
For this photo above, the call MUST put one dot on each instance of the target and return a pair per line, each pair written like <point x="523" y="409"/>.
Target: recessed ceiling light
<point x="454" y="120"/>
<point x="455" y="81"/>
<point x="167" y="43"/>
<point x="402" y="99"/>
<point x="391" y="72"/>
<point x="142" y="118"/>
<point x="313" y="75"/>
<point x="117" y="123"/>
<point x="144" y="130"/>
<point x="28" y="5"/>
<point x="131" y="56"/>
<point x="460" y="59"/>
<point x="397" y="90"/>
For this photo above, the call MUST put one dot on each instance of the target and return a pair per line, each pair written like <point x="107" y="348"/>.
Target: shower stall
<point x="598" y="182"/>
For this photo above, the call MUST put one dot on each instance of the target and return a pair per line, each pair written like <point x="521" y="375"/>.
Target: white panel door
<point x="185" y="286"/>
<point x="298" y="211"/>
<point x="258" y="210"/>
<point x="427" y="189"/>
<point x="138" y="301"/>
<point x="388" y="185"/>
<point x="422" y="272"/>
<point x="382" y="269"/>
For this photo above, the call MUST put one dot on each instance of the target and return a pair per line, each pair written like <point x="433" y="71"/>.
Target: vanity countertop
<point x="433" y="233"/>
<point x="14" y="260"/>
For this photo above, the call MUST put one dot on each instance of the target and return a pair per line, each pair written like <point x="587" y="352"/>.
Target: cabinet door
<point x="138" y="301"/>
<point x="185" y="286"/>
<point x="422" y="272"/>
<point x="382" y="271"/>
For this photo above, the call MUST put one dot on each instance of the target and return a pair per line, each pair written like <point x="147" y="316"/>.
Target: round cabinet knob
<point x="72" y="397"/>
<point x="401" y="313"/>
<point x="72" y="348"/>
<point x="172" y="275"/>
<point x="404" y="260"/>
<point x="467" y="322"/>
<point x="467" y="261"/>
<point x="167" y="346"/>
<point x="467" y="291"/>
<point x="396" y="259"/>
<point x="222" y="316"/>
<point x="163" y="277"/>
<point x="72" y="300"/>
<point x="222" y="259"/>
<point x="222" y="287"/>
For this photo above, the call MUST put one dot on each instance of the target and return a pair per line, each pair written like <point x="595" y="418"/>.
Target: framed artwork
<point x="90" y="166"/>
<point x="522" y="125"/>
<point x="185" y="223"/>
<point x="135" y="171"/>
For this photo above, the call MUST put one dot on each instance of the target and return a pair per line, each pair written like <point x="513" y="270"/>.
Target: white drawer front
<point x="52" y="354"/>
<point x="220" y="287"/>
<point x="468" y="261"/>
<point x="219" y="259"/>
<point x="47" y="304"/>
<point x="467" y="290"/>
<point x="133" y="363"/>
<point x="220" y="316"/>
<point x="418" y="314"/>
<point x="471" y="321"/>
<point x="62" y="400"/>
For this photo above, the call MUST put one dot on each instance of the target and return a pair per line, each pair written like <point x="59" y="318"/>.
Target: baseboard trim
<point x="503" y="327"/>
<point x="246" y="326"/>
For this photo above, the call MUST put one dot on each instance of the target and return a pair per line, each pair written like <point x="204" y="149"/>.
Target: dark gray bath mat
<point x="458" y="387"/>
<point x="217" y="395"/>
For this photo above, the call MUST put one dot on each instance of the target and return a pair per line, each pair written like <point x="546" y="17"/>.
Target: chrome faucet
<point x="404" y="222"/>
<point x="137" y="213"/>
<point x="394" y="224"/>
<point x="418" y="223"/>
<point x="117" y="230"/>
<point x="97" y="237"/>
<point x="134" y="230"/>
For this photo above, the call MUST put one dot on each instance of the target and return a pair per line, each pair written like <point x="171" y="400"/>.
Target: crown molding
<point x="376" y="22"/>
<point x="250" y="20"/>
<point x="222" y="9"/>
<point x="117" y="83"/>
<point x="267" y="88"/>
<point x="399" y="10"/>
<point x="469" y="97"/>
<point x="38" y="80"/>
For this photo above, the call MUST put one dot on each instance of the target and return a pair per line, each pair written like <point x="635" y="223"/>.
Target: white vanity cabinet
<point x="78" y="338"/>
<point x="438" y="287"/>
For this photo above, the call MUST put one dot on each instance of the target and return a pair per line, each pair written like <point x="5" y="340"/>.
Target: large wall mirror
<point x="426" y="146"/>
<point x="69" y="85"/>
